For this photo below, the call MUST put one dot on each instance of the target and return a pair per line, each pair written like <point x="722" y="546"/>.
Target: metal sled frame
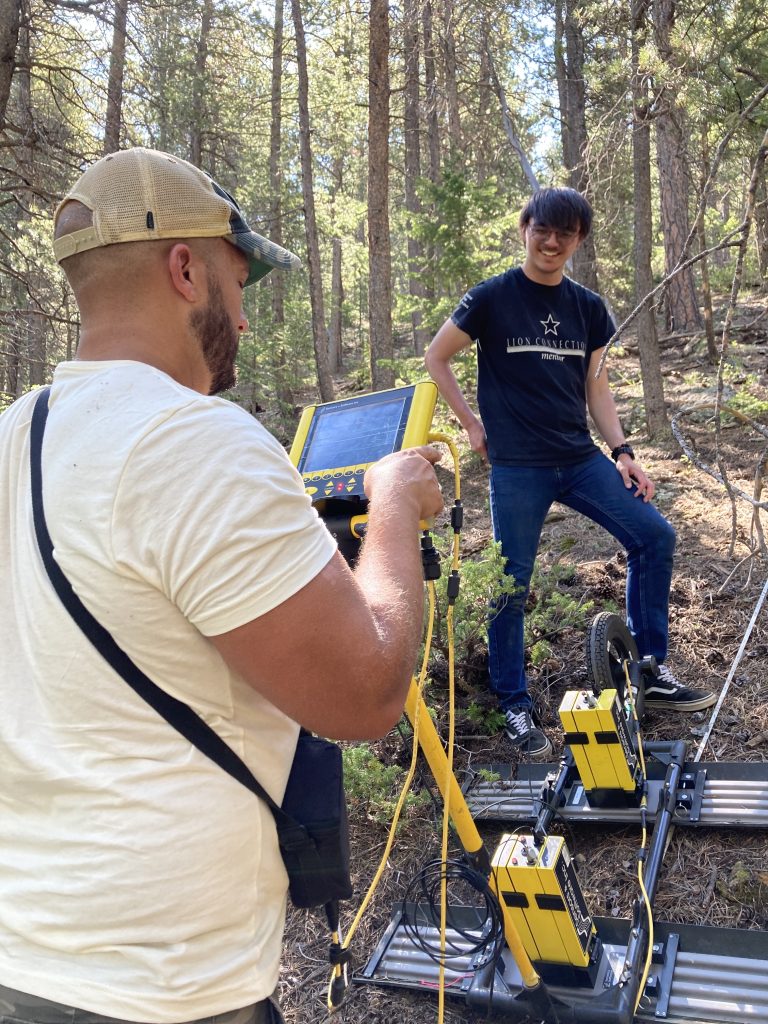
<point x="691" y="977"/>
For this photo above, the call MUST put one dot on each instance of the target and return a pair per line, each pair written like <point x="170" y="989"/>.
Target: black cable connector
<point x="453" y="586"/>
<point x="457" y="516"/>
<point x="430" y="559"/>
<point x="338" y="955"/>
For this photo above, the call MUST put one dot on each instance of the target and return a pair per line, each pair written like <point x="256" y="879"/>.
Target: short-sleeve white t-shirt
<point x="137" y="879"/>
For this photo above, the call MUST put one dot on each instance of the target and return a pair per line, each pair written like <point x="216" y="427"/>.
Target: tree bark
<point x="379" y="251"/>
<point x="335" y="355"/>
<point x="277" y="281"/>
<point x="199" y="119"/>
<point x="674" y="181"/>
<point x="319" y="338"/>
<point x="10" y="21"/>
<point x="412" y="131"/>
<point x="712" y="352"/>
<point x="283" y="389"/>
<point x="569" y="70"/>
<point x="114" y="117"/>
<point x="761" y="232"/>
<point x="430" y="89"/>
<point x="31" y="323"/>
<point x="450" y="85"/>
<point x="648" y="342"/>
<point x="485" y="104"/>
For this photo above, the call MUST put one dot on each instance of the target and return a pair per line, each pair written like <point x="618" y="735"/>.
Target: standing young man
<point x="539" y="341"/>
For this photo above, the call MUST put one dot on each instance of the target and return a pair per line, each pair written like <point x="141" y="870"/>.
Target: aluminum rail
<point x="733" y="795"/>
<point x="709" y="976"/>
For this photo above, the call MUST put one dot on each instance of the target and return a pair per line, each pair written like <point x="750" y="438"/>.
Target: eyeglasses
<point x="541" y="233"/>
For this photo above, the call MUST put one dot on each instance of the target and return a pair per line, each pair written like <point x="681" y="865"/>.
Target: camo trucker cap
<point x="139" y="195"/>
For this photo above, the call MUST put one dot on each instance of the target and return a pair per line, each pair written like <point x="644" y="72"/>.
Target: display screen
<point x="355" y="432"/>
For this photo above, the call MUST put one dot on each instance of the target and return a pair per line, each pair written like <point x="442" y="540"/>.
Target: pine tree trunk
<point x="712" y="353"/>
<point x="450" y="85"/>
<point x="319" y="337"/>
<point x="277" y="281"/>
<point x="761" y="233"/>
<point x="32" y="325"/>
<point x="648" y="342"/>
<point x="674" y="182"/>
<point x="10" y="21"/>
<point x="114" y="116"/>
<point x="199" y="119"/>
<point x="430" y="89"/>
<point x="412" y="129"/>
<point x="335" y="356"/>
<point x="485" y="104"/>
<point x="569" y="69"/>
<point x="379" y="253"/>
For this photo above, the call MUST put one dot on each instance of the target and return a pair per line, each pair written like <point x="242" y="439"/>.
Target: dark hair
<point x="564" y="209"/>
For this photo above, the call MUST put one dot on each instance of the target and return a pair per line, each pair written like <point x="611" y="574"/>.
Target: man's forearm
<point x="602" y="409"/>
<point x="442" y="374"/>
<point x="389" y="572"/>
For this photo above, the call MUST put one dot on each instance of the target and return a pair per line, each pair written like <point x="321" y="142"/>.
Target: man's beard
<point x="218" y="338"/>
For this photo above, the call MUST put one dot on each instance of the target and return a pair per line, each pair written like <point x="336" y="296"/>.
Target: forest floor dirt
<point x="709" y="877"/>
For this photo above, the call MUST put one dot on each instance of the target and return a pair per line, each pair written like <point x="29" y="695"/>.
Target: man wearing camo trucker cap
<point x="138" y="881"/>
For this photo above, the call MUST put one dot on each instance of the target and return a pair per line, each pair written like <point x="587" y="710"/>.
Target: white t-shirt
<point x="137" y="879"/>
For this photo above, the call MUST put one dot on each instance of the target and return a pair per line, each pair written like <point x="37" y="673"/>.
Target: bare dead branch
<point x="699" y="462"/>
<point x="757" y="526"/>
<point x="726" y="242"/>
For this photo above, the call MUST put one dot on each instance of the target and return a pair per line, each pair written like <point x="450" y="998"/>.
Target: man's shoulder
<point x="582" y="292"/>
<point x="506" y="279"/>
<point x="19" y="407"/>
<point x="489" y="288"/>
<point x="150" y="412"/>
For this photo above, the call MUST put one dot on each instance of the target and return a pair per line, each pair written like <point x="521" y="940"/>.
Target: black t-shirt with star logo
<point x="534" y="344"/>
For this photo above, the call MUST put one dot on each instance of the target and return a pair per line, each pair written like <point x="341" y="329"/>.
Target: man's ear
<point x="187" y="272"/>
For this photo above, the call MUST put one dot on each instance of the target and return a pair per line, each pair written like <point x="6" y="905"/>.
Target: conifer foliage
<point x="391" y="146"/>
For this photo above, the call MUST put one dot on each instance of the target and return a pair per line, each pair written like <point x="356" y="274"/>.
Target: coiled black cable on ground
<point x="423" y="894"/>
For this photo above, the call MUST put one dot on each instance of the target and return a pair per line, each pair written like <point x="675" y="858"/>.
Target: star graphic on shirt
<point x="550" y="325"/>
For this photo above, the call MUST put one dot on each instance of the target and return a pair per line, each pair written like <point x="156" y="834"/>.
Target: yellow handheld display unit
<point x="336" y="442"/>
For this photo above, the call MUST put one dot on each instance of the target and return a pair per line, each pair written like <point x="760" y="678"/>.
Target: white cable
<point x="727" y="682"/>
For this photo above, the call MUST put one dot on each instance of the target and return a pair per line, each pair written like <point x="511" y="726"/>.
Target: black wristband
<point x="622" y="449"/>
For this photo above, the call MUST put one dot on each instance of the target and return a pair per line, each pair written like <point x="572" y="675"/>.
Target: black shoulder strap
<point x="174" y="711"/>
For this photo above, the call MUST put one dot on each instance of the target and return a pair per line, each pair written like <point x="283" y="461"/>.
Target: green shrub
<point x="484" y="719"/>
<point x="482" y="581"/>
<point x="553" y="609"/>
<point x="372" y="787"/>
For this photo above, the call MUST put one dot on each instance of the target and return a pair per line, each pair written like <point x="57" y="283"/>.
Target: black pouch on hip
<point x="312" y="826"/>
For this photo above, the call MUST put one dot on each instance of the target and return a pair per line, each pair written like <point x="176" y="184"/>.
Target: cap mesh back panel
<point x="179" y="197"/>
<point x="118" y="199"/>
<point x="188" y="199"/>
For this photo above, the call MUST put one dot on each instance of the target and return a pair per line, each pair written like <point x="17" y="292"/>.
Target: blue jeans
<point x="520" y="499"/>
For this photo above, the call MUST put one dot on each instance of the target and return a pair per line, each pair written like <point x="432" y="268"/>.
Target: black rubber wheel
<point x="609" y="645"/>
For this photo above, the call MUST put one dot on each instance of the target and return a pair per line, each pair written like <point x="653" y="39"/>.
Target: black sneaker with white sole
<point x="666" y="691"/>
<point x="522" y="733"/>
